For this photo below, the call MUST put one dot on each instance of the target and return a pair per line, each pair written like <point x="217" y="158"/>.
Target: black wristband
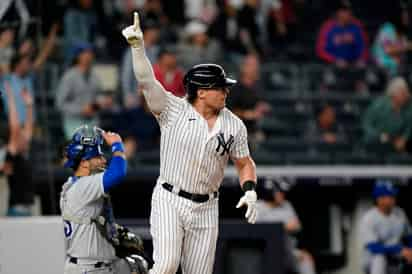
<point x="249" y="185"/>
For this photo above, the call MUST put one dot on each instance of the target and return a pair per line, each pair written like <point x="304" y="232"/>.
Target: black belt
<point x="198" y="198"/>
<point x="74" y="260"/>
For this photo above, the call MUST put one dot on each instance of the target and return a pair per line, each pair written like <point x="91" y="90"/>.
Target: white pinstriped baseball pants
<point x="183" y="232"/>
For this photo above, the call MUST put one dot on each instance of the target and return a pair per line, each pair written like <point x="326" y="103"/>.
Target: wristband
<point x="249" y="185"/>
<point x="117" y="147"/>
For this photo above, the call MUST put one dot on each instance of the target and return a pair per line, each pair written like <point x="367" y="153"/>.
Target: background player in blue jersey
<point x="385" y="233"/>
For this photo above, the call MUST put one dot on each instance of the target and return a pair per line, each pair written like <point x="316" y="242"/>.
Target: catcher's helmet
<point x="384" y="188"/>
<point x="206" y="76"/>
<point x="85" y="144"/>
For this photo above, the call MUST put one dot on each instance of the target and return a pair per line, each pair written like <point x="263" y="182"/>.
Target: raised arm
<point x="153" y="91"/>
<point x="28" y="125"/>
<point x="47" y="47"/>
<point x="117" y="168"/>
<point x="14" y="127"/>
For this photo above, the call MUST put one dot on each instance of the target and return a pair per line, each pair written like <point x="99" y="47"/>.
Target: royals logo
<point x="224" y="146"/>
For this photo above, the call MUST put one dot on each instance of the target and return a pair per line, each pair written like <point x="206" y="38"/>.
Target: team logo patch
<point x="223" y="145"/>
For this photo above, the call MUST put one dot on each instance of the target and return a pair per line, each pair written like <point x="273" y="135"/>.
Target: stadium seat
<point x="301" y="158"/>
<point x="278" y="76"/>
<point x="266" y="157"/>
<point x="338" y="147"/>
<point x="357" y="158"/>
<point x="285" y="145"/>
<point x="398" y="159"/>
<point x="376" y="79"/>
<point x="274" y="127"/>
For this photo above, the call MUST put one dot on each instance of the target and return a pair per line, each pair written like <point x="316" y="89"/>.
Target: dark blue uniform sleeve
<point x="379" y="248"/>
<point x="114" y="173"/>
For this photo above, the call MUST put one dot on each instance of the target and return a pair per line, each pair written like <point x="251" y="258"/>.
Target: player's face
<point x="97" y="164"/>
<point x="386" y="202"/>
<point x="215" y="98"/>
<point x="279" y="197"/>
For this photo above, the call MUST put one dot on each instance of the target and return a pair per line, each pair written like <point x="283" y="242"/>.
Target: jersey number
<point x="68" y="230"/>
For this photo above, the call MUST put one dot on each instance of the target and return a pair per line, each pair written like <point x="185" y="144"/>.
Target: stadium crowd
<point x="319" y="81"/>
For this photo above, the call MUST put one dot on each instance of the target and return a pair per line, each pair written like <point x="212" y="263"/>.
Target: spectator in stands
<point x="197" y="47"/>
<point x="250" y="33"/>
<point x="391" y="43"/>
<point x="153" y="10"/>
<point x="151" y="32"/>
<point x="4" y="138"/>
<point x="6" y="49"/>
<point x="342" y="39"/>
<point x="17" y="166"/>
<point x="46" y="48"/>
<point x="77" y="92"/>
<point x="246" y="100"/>
<point x="385" y="234"/>
<point x="200" y="10"/>
<point x="325" y="129"/>
<point x="80" y="26"/>
<point x="276" y="208"/>
<point x="226" y="29"/>
<point x="281" y="25"/>
<point x="168" y="73"/>
<point x="20" y="79"/>
<point x="138" y="125"/>
<point x="388" y="120"/>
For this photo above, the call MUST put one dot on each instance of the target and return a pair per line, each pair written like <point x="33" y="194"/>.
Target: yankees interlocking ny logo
<point x="223" y="144"/>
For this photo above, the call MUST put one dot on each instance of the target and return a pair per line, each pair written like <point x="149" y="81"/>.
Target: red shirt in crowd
<point x="171" y="81"/>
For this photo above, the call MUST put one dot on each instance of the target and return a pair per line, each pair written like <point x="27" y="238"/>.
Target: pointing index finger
<point x="136" y="23"/>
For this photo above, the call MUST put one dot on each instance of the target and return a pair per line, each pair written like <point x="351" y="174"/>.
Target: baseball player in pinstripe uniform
<point x="386" y="234"/>
<point x="198" y="136"/>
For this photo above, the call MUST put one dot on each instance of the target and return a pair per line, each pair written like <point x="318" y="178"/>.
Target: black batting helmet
<point x="205" y="76"/>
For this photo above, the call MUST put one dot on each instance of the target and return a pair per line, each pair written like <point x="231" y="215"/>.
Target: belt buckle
<point x="175" y="190"/>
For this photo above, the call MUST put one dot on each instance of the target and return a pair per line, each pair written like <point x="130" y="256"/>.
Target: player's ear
<point x="201" y="93"/>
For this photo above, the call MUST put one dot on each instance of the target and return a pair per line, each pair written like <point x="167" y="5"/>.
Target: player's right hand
<point x="249" y="200"/>
<point x="110" y="137"/>
<point x="133" y="33"/>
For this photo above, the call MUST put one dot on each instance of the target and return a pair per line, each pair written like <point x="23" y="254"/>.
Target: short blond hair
<point x="395" y="85"/>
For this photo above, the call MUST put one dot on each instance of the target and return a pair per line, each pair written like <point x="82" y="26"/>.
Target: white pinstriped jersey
<point x="192" y="157"/>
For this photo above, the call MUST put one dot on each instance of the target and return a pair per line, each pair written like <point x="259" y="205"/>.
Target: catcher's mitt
<point x="129" y="243"/>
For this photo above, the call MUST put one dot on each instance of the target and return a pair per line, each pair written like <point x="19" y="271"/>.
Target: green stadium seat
<point x="398" y="159"/>
<point x="357" y="158"/>
<point x="299" y="158"/>
<point x="285" y="145"/>
<point x="274" y="127"/>
<point x="265" y="157"/>
<point x="278" y="76"/>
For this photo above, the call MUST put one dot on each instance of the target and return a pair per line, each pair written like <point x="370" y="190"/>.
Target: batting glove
<point x="133" y="33"/>
<point x="249" y="199"/>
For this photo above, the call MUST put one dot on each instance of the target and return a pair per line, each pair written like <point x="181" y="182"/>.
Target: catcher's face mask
<point x="86" y="144"/>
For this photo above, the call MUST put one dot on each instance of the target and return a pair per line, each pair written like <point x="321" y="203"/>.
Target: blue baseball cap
<point x="384" y="188"/>
<point x="81" y="47"/>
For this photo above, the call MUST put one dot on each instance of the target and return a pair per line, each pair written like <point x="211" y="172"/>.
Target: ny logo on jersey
<point x="224" y="145"/>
